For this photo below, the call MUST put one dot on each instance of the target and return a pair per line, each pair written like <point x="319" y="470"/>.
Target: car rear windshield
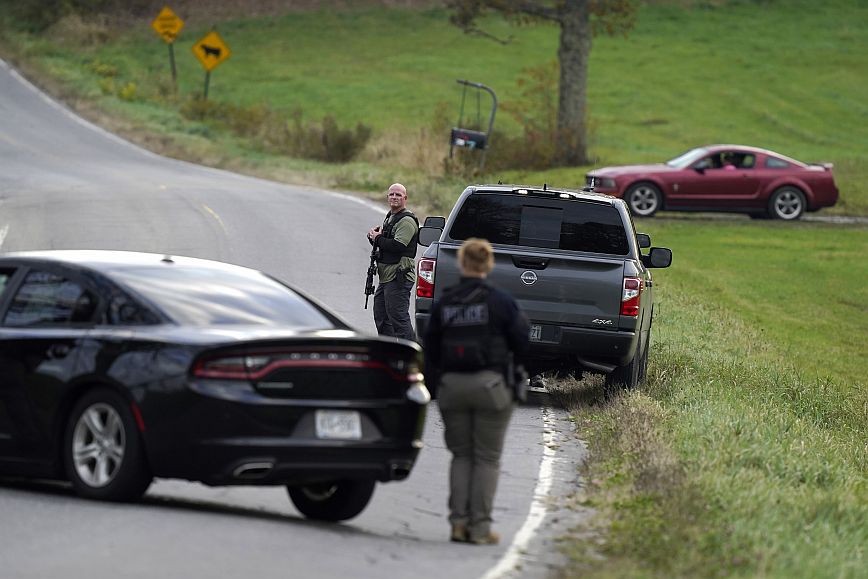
<point x="205" y="297"/>
<point x="541" y="222"/>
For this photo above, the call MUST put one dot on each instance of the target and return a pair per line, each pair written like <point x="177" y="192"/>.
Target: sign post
<point x="210" y="51"/>
<point x="167" y="25"/>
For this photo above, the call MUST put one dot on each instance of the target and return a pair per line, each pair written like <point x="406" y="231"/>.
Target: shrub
<point x="128" y="92"/>
<point x="341" y="145"/>
<point x="273" y="132"/>
<point x="103" y="69"/>
<point x="39" y="15"/>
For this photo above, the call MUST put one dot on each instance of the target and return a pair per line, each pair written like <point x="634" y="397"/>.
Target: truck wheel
<point x="643" y="366"/>
<point x="626" y="376"/>
<point x="102" y="452"/>
<point x="332" y="501"/>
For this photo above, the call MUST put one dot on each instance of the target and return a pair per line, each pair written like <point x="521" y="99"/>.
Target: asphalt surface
<point x="66" y="184"/>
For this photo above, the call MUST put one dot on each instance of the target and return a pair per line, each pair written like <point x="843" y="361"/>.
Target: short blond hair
<point x="476" y="256"/>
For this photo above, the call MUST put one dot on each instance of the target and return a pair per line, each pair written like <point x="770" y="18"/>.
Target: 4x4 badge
<point x="528" y="278"/>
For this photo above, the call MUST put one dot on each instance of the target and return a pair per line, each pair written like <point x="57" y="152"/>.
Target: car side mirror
<point x="658" y="257"/>
<point x="435" y="221"/>
<point x="699" y="169"/>
<point x="428" y="235"/>
<point x="643" y="239"/>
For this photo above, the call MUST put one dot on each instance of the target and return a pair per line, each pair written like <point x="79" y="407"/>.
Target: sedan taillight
<point x="425" y="278"/>
<point x="259" y="365"/>
<point x="631" y="296"/>
<point x="231" y="367"/>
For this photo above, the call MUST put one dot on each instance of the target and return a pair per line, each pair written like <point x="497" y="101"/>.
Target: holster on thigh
<point x="482" y="390"/>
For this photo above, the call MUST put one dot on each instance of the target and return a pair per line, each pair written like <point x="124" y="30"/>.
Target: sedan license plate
<point x="338" y="424"/>
<point x="535" y="333"/>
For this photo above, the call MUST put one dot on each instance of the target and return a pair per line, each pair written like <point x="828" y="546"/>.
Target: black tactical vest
<point x="388" y="231"/>
<point x="469" y="339"/>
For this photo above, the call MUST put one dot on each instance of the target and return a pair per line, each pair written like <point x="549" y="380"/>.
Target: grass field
<point x="776" y="74"/>
<point x="745" y="453"/>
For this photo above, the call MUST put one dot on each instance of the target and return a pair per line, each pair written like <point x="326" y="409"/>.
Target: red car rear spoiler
<point x="826" y="166"/>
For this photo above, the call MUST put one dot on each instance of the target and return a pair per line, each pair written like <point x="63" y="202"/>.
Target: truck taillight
<point x="631" y="296"/>
<point x="425" y="278"/>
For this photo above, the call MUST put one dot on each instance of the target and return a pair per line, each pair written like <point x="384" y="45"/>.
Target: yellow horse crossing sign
<point x="211" y="51"/>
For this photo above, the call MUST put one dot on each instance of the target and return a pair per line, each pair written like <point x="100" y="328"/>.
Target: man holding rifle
<point x="395" y="245"/>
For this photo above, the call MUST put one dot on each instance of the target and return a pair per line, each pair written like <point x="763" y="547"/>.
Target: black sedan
<point x="117" y="367"/>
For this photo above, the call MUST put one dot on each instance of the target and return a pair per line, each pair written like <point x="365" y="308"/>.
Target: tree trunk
<point x="573" y="53"/>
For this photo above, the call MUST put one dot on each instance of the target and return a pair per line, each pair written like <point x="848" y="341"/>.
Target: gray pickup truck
<point x="571" y="259"/>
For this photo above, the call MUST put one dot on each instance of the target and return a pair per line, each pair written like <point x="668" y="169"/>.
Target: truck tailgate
<point x="556" y="288"/>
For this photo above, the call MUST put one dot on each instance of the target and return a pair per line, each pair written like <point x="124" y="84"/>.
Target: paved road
<point x="67" y="184"/>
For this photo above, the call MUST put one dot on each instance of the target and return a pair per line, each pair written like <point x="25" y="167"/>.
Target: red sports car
<point x="733" y="178"/>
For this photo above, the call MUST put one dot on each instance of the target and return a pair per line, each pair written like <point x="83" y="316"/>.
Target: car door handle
<point x="56" y="351"/>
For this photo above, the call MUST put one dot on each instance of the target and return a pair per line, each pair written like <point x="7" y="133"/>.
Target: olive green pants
<point x="476" y="408"/>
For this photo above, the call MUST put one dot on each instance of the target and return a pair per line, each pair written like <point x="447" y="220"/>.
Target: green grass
<point x="782" y="75"/>
<point x="794" y="287"/>
<point x="744" y="454"/>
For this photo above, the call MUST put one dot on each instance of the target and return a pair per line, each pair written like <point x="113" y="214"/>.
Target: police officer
<point x="396" y="241"/>
<point x="474" y="331"/>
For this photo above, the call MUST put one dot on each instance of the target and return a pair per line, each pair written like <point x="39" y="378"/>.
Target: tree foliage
<point x="38" y="15"/>
<point x="578" y="21"/>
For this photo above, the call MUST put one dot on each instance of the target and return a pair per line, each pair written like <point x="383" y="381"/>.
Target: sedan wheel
<point x="332" y="501"/>
<point x="644" y="199"/>
<point x="787" y="203"/>
<point x="103" y="455"/>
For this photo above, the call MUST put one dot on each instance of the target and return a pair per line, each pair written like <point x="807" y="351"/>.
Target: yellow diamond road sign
<point x="167" y="24"/>
<point x="211" y="50"/>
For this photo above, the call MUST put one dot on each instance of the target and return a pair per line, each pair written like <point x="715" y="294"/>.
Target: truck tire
<point x="631" y="375"/>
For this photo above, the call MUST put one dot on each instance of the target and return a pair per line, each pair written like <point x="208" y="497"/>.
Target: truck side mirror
<point x="428" y="235"/>
<point x="435" y="221"/>
<point x="643" y="239"/>
<point x="658" y="257"/>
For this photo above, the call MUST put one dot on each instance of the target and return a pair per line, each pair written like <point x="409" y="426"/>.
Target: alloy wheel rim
<point x="643" y="201"/>
<point x="788" y="205"/>
<point x="98" y="444"/>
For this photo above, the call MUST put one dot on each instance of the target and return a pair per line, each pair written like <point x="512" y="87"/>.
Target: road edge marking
<point x="537" y="511"/>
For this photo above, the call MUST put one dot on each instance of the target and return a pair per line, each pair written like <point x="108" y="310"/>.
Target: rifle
<point x="369" y="281"/>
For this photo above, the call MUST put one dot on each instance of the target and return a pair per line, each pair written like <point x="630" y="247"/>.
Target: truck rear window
<point x="540" y="222"/>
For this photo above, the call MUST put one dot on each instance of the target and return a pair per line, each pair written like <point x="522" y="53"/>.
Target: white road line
<point x="535" y="517"/>
<point x="3" y="231"/>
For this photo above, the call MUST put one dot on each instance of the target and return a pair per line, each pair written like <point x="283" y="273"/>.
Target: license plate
<point x="535" y="333"/>
<point x="342" y="424"/>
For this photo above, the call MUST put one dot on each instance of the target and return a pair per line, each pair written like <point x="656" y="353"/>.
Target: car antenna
<point x="544" y="186"/>
<point x="500" y="181"/>
<point x="167" y="259"/>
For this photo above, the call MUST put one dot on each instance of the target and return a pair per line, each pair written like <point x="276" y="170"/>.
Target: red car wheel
<point x="787" y="203"/>
<point x="644" y="199"/>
